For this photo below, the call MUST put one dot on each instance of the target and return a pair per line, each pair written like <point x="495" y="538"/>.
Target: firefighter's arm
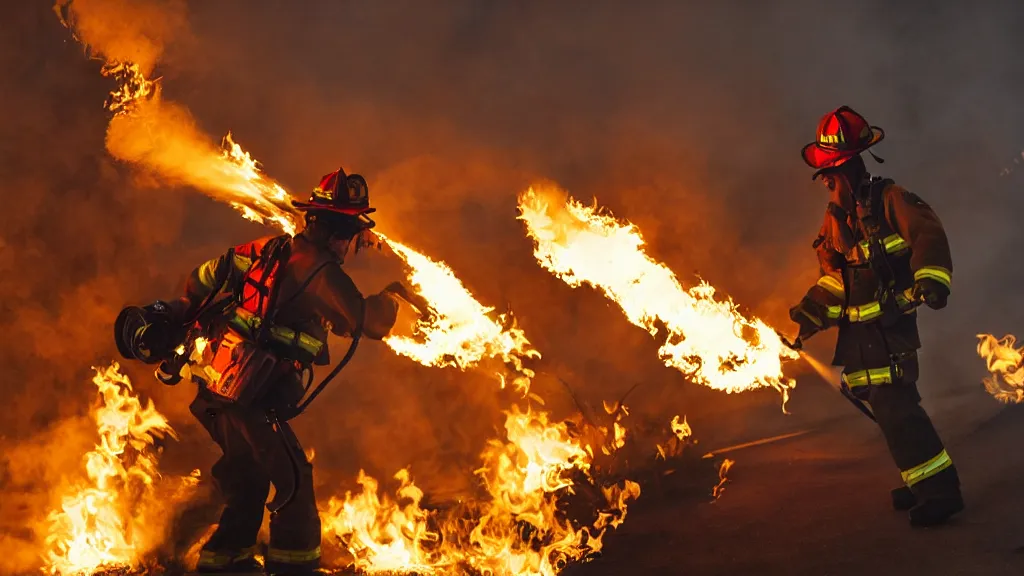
<point x="822" y="305"/>
<point x="930" y="259"/>
<point x="218" y="273"/>
<point x="345" y="304"/>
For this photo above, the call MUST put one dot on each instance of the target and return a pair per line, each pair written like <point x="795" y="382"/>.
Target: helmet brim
<point x="822" y="158"/>
<point x="310" y="206"/>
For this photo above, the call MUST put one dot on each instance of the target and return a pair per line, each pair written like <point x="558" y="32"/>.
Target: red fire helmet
<point x="341" y="193"/>
<point x="842" y="134"/>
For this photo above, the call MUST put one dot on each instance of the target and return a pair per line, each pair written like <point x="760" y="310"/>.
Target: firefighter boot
<point x="935" y="511"/>
<point x="220" y="563"/>
<point x="903" y="499"/>
<point x="938" y="499"/>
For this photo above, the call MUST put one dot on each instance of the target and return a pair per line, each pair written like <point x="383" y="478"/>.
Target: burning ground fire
<point x="1003" y="359"/>
<point x="114" y="518"/>
<point x="707" y="339"/>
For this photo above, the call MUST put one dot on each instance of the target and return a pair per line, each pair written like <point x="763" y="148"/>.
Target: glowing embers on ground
<point x="1003" y="359"/>
<point x="707" y="339"/>
<point x="518" y="529"/>
<point x="458" y="330"/>
<point x="115" y="515"/>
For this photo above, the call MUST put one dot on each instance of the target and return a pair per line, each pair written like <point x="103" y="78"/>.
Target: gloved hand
<point x="809" y="316"/>
<point x="932" y="292"/>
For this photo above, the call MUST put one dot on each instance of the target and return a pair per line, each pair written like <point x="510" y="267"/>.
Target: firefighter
<point x="280" y="297"/>
<point x="882" y="251"/>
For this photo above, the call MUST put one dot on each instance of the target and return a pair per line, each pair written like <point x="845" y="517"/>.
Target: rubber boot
<point x="935" y="511"/>
<point x="903" y="499"/>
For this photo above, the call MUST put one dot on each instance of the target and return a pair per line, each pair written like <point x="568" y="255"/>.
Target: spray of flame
<point x="458" y="331"/>
<point x="708" y="339"/>
<point x="1004" y="360"/>
<point x="107" y="520"/>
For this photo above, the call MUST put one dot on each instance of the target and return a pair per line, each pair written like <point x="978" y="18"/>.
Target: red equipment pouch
<point x="244" y="369"/>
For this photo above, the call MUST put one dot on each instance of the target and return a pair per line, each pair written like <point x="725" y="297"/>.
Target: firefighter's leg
<point x="244" y="487"/>
<point x="926" y="468"/>
<point x="295" y="528"/>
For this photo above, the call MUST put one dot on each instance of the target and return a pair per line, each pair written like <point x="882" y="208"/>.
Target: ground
<point x="818" y="505"/>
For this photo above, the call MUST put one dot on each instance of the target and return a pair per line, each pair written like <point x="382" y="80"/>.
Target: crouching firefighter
<point x="882" y="252"/>
<point x="265" y="308"/>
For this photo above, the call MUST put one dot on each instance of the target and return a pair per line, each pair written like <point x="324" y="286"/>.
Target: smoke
<point x="684" y="119"/>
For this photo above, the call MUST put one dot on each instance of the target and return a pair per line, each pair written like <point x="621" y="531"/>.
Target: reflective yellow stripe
<point x="927" y="470"/>
<point x="873" y="310"/>
<point x="865" y="377"/>
<point x="303" y="340"/>
<point x="220" y="558"/>
<point x="242" y="263"/>
<point x="248" y="323"/>
<point x="208" y="273"/>
<point x="293" y="556"/>
<point x="937" y="273"/>
<point x="834" y="312"/>
<point x="864" y="312"/>
<point x="832" y="284"/>
<point x="892" y="244"/>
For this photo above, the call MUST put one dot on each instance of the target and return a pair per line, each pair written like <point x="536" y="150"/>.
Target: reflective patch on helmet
<point x="325" y="194"/>
<point x="832" y="139"/>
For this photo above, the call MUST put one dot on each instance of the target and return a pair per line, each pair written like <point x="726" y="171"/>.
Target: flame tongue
<point x="459" y="331"/>
<point x="708" y="339"/>
<point x="1004" y="360"/>
<point x="99" y="525"/>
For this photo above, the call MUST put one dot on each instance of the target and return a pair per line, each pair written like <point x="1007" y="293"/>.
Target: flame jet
<point x="708" y="339"/>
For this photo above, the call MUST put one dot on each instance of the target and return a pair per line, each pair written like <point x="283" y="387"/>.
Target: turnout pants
<point x="256" y="455"/>
<point x="891" y="391"/>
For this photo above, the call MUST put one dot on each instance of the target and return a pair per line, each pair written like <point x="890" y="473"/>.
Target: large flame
<point x="1004" y="360"/>
<point x="457" y="330"/>
<point x="708" y="339"/>
<point x="107" y="521"/>
<point x="518" y="530"/>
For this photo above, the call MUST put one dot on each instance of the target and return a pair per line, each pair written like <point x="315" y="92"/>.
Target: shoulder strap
<point x="274" y="266"/>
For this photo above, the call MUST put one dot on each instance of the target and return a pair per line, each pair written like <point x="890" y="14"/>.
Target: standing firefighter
<point x="882" y="251"/>
<point x="266" y="308"/>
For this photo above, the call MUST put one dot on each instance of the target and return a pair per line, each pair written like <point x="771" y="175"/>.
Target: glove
<point x="808" y="315"/>
<point x="932" y="292"/>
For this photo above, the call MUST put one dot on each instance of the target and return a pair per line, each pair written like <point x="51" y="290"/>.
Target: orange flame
<point x="108" y="521"/>
<point x="1006" y="382"/>
<point x="459" y="331"/>
<point x="723" y="470"/>
<point x="518" y="531"/>
<point x="708" y="339"/>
